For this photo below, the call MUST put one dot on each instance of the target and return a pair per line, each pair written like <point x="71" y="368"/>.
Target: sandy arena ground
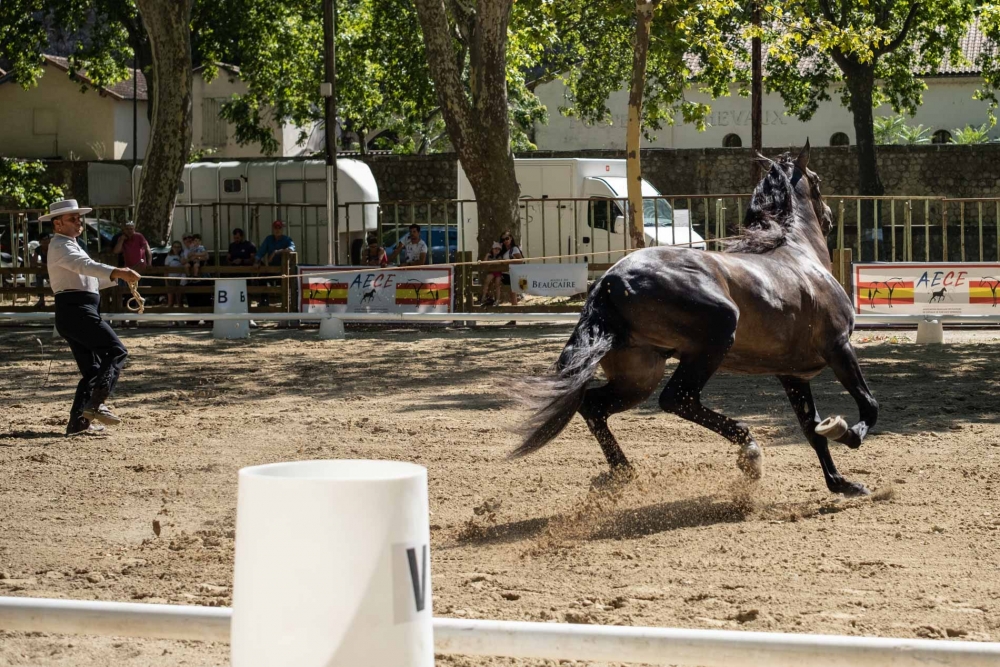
<point x="685" y="545"/>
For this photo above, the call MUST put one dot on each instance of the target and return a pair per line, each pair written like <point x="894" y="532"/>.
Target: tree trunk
<point x="168" y="26"/>
<point x="861" y="84"/>
<point x="756" y="98"/>
<point x="860" y="81"/>
<point x="633" y="135"/>
<point x="477" y="123"/>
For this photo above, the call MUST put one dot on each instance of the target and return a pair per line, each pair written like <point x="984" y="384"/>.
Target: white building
<point x="947" y="105"/>
<point x="56" y="120"/>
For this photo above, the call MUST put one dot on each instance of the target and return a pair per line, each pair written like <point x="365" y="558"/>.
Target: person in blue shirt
<point x="274" y="246"/>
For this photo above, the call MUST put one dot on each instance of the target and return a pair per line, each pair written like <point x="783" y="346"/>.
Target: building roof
<point x="974" y="44"/>
<point x="119" y="91"/>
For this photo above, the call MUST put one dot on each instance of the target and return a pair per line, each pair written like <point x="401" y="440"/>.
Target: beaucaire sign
<point x="338" y="289"/>
<point x="548" y="279"/>
<point x="927" y="289"/>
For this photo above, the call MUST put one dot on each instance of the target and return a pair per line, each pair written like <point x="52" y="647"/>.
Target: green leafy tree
<point x="478" y="53"/>
<point x="888" y="128"/>
<point x="914" y="135"/>
<point x="871" y="49"/>
<point x="673" y="44"/>
<point x="971" y="135"/>
<point x="23" y="186"/>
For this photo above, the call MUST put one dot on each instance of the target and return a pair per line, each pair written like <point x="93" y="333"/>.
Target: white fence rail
<point x="416" y="318"/>
<point x="517" y="639"/>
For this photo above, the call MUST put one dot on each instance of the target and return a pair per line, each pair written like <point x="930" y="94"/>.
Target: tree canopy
<point x="873" y="51"/>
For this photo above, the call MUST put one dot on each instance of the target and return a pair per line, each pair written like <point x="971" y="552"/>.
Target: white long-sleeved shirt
<point x="71" y="268"/>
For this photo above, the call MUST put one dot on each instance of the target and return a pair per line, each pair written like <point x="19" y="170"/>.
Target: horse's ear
<point x="802" y="161"/>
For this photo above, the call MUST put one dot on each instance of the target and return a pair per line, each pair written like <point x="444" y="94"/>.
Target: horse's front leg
<point x="845" y="366"/>
<point x="800" y="395"/>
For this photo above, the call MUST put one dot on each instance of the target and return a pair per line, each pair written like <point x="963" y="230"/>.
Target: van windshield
<point x="656" y="213"/>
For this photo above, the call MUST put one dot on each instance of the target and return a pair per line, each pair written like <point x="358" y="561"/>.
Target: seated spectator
<point x="194" y="255"/>
<point x="271" y="250"/>
<point x="39" y="258"/>
<point x="413" y="247"/>
<point x="175" y="259"/>
<point x="274" y="246"/>
<point x="509" y="251"/>
<point x="491" y="286"/>
<point x="241" y="251"/>
<point x="374" y="254"/>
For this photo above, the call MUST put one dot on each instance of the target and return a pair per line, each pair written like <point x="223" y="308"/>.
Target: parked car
<point x="438" y="253"/>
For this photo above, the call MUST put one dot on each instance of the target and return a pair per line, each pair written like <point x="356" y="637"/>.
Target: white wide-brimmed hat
<point x="64" y="207"/>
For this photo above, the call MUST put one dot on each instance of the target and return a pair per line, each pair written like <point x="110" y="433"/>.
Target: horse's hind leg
<point x="633" y="374"/>
<point x="682" y="396"/>
<point x="845" y="366"/>
<point x="800" y="395"/>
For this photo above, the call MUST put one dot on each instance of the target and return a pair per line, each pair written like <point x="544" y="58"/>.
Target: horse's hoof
<point x="832" y="427"/>
<point x="855" y="489"/>
<point x="750" y="461"/>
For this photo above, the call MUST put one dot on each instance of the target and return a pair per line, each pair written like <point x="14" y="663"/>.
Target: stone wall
<point x="414" y="177"/>
<point x="931" y="170"/>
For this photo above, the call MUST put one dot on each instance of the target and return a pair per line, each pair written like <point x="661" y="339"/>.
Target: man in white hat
<point x="76" y="280"/>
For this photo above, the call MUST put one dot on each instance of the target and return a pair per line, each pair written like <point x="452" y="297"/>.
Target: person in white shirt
<point x="414" y="249"/>
<point x="77" y="280"/>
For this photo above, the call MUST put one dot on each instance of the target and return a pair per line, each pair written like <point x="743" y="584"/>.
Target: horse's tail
<point x="557" y="397"/>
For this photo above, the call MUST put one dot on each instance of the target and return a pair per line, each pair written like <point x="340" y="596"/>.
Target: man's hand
<point x="128" y="275"/>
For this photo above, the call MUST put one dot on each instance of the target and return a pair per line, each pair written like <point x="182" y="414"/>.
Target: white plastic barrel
<point x="332" y="566"/>
<point x="929" y="333"/>
<point x="331" y="328"/>
<point x="231" y="297"/>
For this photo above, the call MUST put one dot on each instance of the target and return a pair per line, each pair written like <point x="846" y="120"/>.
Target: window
<point x="732" y="141"/>
<point x="232" y="185"/>
<point x="213" y="128"/>
<point x="840" y="139"/>
<point x="601" y="214"/>
<point x="941" y="137"/>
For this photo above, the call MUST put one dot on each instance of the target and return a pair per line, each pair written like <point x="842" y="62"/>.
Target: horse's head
<point x="781" y="202"/>
<point x="805" y="183"/>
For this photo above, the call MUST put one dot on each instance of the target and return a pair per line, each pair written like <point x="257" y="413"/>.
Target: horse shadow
<point x="619" y="524"/>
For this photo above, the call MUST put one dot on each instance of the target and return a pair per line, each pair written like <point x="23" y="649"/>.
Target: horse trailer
<point x="213" y="198"/>
<point x="575" y="206"/>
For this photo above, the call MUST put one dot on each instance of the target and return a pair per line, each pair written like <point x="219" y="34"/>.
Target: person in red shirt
<point x="134" y="248"/>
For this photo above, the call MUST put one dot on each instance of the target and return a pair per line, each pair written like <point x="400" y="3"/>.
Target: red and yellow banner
<point x="316" y="292"/>
<point x="984" y="291"/>
<point x="415" y="293"/>
<point x="885" y="293"/>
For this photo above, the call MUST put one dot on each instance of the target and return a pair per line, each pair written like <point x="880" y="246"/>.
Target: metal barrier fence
<point x="593" y="229"/>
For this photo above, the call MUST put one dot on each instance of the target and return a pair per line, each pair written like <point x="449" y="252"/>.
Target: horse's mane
<point x="769" y="216"/>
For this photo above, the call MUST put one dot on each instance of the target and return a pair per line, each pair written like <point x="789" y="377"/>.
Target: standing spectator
<point x="134" y="248"/>
<point x="175" y="259"/>
<point x="509" y="251"/>
<point x="414" y="249"/>
<point x="274" y="246"/>
<point x="39" y="260"/>
<point x="194" y="255"/>
<point x="492" y="282"/>
<point x="374" y="254"/>
<point x="241" y="251"/>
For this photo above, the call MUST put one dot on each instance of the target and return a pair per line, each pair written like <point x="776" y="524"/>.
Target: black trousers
<point x="99" y="353"/>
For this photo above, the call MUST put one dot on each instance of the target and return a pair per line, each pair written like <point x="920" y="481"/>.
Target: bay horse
<point x="767" y="305"/>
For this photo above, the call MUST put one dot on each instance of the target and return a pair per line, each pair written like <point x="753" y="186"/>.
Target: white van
<point x="252" y="195"/>
<point x="575" y="206"/>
